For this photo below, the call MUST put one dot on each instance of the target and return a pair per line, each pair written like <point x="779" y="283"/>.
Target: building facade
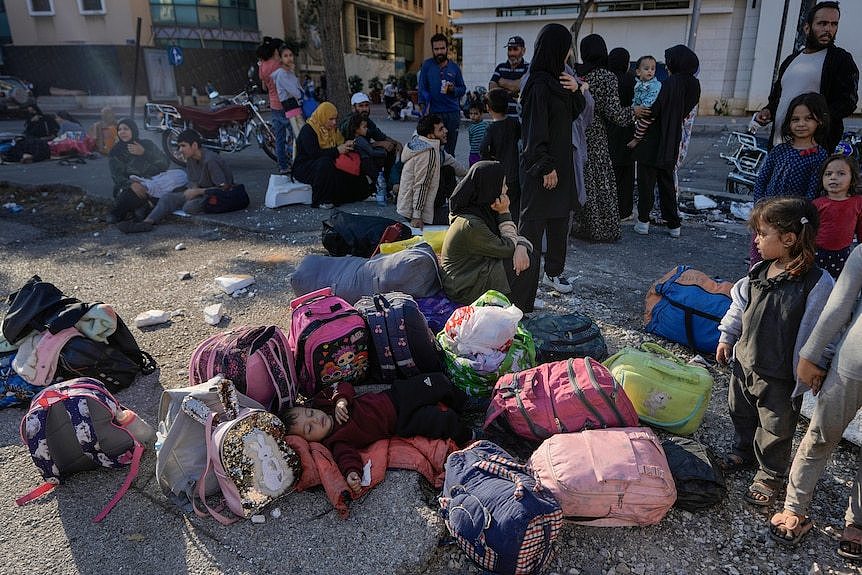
<point x="736" y="41"/>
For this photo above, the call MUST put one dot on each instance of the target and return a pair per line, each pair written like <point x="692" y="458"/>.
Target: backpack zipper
<point x="611" y="403"/>
<point x="573" y="381"/>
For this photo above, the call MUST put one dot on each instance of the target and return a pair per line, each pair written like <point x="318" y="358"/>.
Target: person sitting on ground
<point x="428" y="175"/>
<point x="39" y="125"/>
<point x="317" y="147"/>
<point x="140" y="173"/>
<point x="344" y="422"/>
<point x="372" y="158"/>
<point x="104" y="131"/>
<point x="205" y="170"/>
<point x="501" y="144"/>
<point x="362" y="106"/>
<point x="482" y="248"/>
<point x="68" y="123"/>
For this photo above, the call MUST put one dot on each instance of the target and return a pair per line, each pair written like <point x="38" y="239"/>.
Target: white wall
<point x="366" y="68"/>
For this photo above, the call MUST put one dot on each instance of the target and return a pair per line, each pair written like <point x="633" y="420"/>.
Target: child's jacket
<point x="646" y="92"/>
<point x="768" y="316"/>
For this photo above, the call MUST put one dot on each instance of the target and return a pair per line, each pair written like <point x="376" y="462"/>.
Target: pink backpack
<point x="256" y="359"/>
<point x="607" y="477"/>
<point x="560" y="397"/>
<point x="329" y="339"/>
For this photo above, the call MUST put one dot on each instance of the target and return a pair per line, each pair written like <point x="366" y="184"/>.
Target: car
<point x="14" y="95"/>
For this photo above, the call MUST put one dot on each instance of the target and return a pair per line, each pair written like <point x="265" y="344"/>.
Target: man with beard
<point x="362" y="106"/>
<point x="441" y="88"/>
<point x="820" y="67"/>
<point x="508" y="74"/>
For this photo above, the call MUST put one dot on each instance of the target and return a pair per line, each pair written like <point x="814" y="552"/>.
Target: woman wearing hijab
<point x="658" y="152"/>
<point x="482" y="249"/>
<point x="38" y="125"/>
<point x="599" y="221"/>
<point x="318" y="145"/>
<point x="550" y="101"/>
<point x="619" y="62"/>
<point x="104" y="132"/>
<point x="140" y="172"/>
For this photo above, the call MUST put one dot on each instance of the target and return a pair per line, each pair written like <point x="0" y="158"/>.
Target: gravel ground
<point x="387" y="532"/>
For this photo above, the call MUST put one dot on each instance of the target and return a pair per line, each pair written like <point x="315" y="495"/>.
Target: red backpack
<point x="256" y="359"/>
<point x="329" y="338"/>
<point x="560" y="397"/>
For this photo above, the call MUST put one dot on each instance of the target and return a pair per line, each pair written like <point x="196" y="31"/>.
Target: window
<point x="91" y="7"/>
<point x="369" y="26"/>
<point x="226" y="14"/>
<point x="439" y="6"/>
<point x="41" y="7"/>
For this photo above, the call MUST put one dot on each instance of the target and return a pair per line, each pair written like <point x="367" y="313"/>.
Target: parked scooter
<point x="230" y="125"/>
<point x="747" y="159"/>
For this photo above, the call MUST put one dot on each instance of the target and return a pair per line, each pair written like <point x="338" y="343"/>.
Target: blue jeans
<point x="280" y="126"/>
<point x="452" y="120"/>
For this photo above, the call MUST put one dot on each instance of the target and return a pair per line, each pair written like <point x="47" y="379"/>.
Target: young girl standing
<point x="840" y="213"/>
<point x="773" y="311"/>
<point x="790" y="169"/>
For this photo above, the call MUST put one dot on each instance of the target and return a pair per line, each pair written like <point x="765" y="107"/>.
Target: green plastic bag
<point x="521" y="355"/>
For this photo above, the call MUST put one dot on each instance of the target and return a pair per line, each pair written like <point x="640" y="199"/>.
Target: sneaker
<point x="538" y="304"/>
<point x="674" y="232"/>
<point x="559" y="283"/>
<point x="642" y="228"/>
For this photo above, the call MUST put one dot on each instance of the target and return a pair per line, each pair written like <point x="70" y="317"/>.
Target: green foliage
<point x="408" y="81"/>
<point x="356" y="84"/>
<point x="375" y="84"/>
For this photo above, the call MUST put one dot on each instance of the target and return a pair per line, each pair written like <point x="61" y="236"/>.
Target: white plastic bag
<point x="488" y="329"/>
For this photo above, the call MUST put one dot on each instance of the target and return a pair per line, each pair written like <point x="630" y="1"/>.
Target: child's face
<point x="311" y="424"/>
<point x="475" y="115"/>
<point x="362" y="130"/>
<point x="771" y="242"/>
<point x="836" y="178"/>
<point x="803" y="124"/>
<point x="646" y="70"/>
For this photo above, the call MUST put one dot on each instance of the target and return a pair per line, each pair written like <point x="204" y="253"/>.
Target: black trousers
<point x="126" y="203"/>
<point x="525" y="285"/>
<point x="648" y="177"/>
<point x="417" y="402"/>
<point x="624" y="174"/>
<point x="448" y="182"/>
<point x="332" y="186"/>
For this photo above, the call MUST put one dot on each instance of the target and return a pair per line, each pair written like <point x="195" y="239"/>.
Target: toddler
<point x="344" y="422"/>
<point x="773" y="311"/>
<point x="476" y="132"/>
<point x="501" y="144"/>
<point x="372" y="158"/>
<point x="647" y="88"/>
<point x="840" y="212"/>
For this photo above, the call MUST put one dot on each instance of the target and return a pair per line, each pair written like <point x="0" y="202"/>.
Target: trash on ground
<point x="702" y="202"/>
<point x="233" y="282"/>
<point x="151" y="317"/>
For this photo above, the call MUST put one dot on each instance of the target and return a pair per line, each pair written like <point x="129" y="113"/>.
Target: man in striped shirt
<point x="508" y="74"/>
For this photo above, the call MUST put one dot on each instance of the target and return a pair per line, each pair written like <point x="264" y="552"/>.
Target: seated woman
<point x="482" y="249"/>
<point x="68" y="123"/>
<point x="318" y="145"/>
<point x="104" y="132"/>
<point x="140" y="173"/>
<point x="39" y="125"/>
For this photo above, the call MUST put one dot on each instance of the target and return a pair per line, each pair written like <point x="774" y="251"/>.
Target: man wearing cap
<point x="441" y="87"/>
<point x="508" y="74"/>
<point x="362" y="106"/>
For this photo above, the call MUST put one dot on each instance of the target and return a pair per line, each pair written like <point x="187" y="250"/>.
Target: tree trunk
<point x="583" y="8"/>
<point x="329" y="14"/>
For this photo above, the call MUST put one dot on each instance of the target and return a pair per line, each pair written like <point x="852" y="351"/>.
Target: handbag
<point x="291" y="107"/>
<point x="219" y="201"/>
<point x="348" y="163"/>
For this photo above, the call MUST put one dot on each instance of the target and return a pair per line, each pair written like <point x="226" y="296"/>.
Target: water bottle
<point x="381" y="189"/>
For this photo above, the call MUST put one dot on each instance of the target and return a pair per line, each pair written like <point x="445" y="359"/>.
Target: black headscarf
<point x="477" y="191"/>
<point x="594" y="53"/>
<point x="683" y="65"/>
<point x="619" y="61"/>
<point x="549" y="58"/>
<point x="120" y="150"/>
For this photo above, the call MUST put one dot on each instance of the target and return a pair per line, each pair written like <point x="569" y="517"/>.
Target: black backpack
<point x="402" y="343"/>
<point x="560" y="337"/>
<point x="40" y="306"/>
<point x="357" y="235"/>
<point x="699" y="482"/>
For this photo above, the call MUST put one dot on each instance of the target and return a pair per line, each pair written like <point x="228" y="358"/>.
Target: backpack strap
<point x="397" y="334"/>
<point x="208" y="434"/>
<point x="137" y="452"/>
<point x="502" y="467"/>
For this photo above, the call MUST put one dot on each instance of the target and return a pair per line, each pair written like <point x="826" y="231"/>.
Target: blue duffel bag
<point x="502" y="520"/>
<point x="686" y="305"/>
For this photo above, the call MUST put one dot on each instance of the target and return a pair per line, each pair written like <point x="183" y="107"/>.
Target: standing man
<point x="362" y="106"/>
<point x="441" y="88"/>
<point x="508" y="74"/>
<point x="820" y="67"/>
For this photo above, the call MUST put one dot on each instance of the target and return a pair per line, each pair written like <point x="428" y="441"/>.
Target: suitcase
<point x="607" y="477"/>
<point x="283" y="191"/>
<point x="666" y="392"/>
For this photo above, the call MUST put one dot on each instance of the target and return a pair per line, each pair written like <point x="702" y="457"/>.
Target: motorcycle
<point x="746" y="160"/>
<point x="230" y="125"/>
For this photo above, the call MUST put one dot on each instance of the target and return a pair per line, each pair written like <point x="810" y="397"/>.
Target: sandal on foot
<point x="852" y="536"/>
<point x="795" y="528"/>
<point x="733" y="462"/>
<point x="763" y="489"/>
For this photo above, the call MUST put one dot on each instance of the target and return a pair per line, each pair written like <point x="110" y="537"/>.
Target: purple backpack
<point x="329" y="339"/>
